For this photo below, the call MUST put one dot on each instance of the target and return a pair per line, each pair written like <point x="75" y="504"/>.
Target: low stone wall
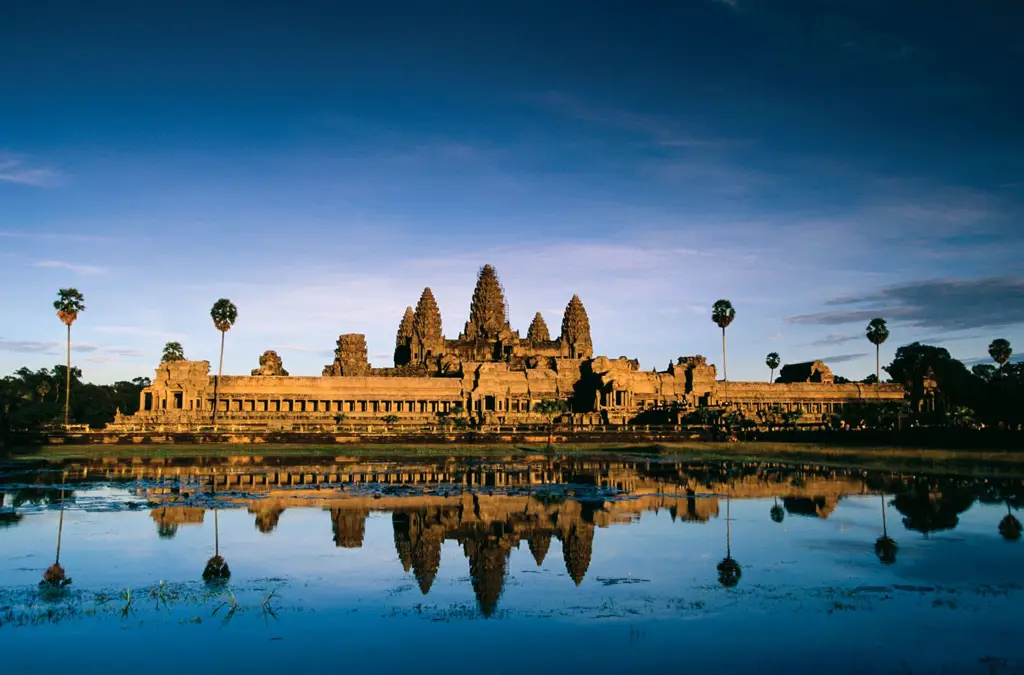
<point x="533" y="436"/>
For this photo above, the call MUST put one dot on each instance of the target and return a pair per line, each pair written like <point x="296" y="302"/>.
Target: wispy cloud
<point x="55" y="348"/>
<point x="943" y="304"/>
<point x="305" y="349"/>
<point x="835" y="339"/>
<point x="74" y="267"/>
<point x="16" y="170"/>
<point x="658" y="130"/>
<point x="138" y="331"/>
<point x="843" y="358"/>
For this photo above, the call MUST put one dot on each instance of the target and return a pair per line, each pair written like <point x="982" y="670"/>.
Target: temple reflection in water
<point x="490" y="509"/>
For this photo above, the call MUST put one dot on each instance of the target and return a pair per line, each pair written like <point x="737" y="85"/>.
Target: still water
<point x="545" y="565"/>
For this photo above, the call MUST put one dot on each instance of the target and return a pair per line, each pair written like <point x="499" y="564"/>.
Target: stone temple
<point x="490" y="374"/>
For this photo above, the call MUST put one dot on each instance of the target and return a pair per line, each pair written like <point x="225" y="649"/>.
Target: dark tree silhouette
<point x="772" y="361"/>
<point x="1000" y="351"/>
<point x="877" y="333"/>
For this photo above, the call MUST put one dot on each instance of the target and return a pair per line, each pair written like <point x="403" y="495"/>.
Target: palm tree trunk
<point x="771" y="376"/>
<point x="728" y="527"/>
<point x="67" y="388"/>
<point x="725" y="369"/>
<point x="878" y="370"/>
<point x="216" y="383"/>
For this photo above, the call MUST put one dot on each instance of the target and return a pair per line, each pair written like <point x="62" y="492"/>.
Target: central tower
<point x="487" y="311"/>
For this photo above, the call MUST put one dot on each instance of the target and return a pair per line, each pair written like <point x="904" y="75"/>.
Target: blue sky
<point x="817" y="162"/>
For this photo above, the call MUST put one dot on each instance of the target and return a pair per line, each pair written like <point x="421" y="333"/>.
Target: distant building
<point x="489" y="374"/>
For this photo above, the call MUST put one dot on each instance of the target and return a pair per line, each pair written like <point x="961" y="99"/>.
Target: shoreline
<point x="977" y="462"/>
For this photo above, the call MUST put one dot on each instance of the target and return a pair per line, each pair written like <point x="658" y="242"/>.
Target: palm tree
<point x="885" y="547"/>
<point x="777" y="512"/>
<point x="1000" y="351"/>
<point x="772" y="361"/>
<point x="722" y="313"/>
<point x="729" y="570"/>
<point x="69" y="304"/>
<point x="877" y="333"/>
<point x="172" y="352"/>
<point x="224" y="313"/>
<point x="1009" y="526"/>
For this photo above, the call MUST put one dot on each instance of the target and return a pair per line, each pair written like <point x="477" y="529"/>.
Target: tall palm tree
<point x="1000" y="351"/>
<point x="173" y="351"/>
<point x="772" y="361"/>
<point x="224" y="313"/>
<point x="722" y="313"/>
<point x="729" y="570"/>
<point x="877" y="333"/>
<point x="69" y="304"/>
<point x="885" y="547"/>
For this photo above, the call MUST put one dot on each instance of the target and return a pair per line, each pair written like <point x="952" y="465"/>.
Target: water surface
<point x="549" y="565"/>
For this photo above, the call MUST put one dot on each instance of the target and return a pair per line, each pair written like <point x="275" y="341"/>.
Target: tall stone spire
<point x="538" y="331"/>
<point x="426" y="326"/>
<point x="403" y="341"/>
<point x="575" y="338"/>
<point x="487" y="311"/>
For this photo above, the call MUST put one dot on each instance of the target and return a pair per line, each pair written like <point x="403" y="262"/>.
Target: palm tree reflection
<point x="216" y="570"/>
<point x="1009" y="526"/>
<point x="55" y="576"/>
<point x="729" y="570"/>
<point x="885" y="547"/>
<point x="777" y="512"/>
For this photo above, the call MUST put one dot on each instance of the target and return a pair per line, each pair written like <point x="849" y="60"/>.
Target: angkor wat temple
<point x="490" y="374"/>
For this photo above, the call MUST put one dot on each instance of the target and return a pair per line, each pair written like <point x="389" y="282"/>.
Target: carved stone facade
<point x="488" y="375"/>
<point x="270" y="365"/>
<point x="349" y="357"/>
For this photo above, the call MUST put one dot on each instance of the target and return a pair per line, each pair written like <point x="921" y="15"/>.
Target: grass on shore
<point x="973" y="462"/>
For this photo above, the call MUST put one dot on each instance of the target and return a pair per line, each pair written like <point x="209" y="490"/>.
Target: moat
<point x="544" y="564"/>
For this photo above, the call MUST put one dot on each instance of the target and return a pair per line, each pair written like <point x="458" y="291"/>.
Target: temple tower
<point x="538" y="331"/>
<point x="575" y="338"/>
<point x="349" y="357"/>
<point x="487" y="310"/>
<point x="403" y="341"/>
<point x="427" y="339"/>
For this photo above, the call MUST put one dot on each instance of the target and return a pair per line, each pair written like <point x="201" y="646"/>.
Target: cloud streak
<point x="843" y="358"/>
<point x="17" y="171"/>
<point x="55" y="348"/>
<point x="941" y="304"/>
<point x="74" y="267"/>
